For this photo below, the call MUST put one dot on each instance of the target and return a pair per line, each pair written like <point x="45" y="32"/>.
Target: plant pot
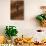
<point x="43" y="23"/>
<point x="9" y="41"/>
<point x="13" y="38"/>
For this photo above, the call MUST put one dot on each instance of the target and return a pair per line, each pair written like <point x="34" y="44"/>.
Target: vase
<point x="43" y="23"/>
<point x="13" y="38"/>
<point x="9" y="41"/>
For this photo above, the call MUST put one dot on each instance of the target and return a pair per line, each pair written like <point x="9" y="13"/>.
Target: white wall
<point x="26" y="26"/>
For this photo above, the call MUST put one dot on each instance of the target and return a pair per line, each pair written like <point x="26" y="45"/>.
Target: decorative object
<point x="23" y="40"/>
<point x="44" y="40"/>
<point x="9" y="41"/>
<point x="42" y="17"/>
<point x="37" y="43"/>
<point x="39" y="30"/>
<point x="10" y="31"/>
<point x="17" y="10"/>
<point x="2" y="40"/>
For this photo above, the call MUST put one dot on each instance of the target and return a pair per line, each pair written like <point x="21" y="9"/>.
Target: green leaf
<point x="45" y="17"/>
<point x="40" y="18"/>
<point x="10" y="31"/>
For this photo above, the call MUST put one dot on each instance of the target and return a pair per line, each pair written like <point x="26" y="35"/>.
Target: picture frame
<point x="17" y="10"/>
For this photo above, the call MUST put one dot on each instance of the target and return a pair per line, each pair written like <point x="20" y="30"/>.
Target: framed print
<point x="17" y="10"/>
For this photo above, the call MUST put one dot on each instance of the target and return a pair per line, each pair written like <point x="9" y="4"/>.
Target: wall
<point x="26" y="26"/>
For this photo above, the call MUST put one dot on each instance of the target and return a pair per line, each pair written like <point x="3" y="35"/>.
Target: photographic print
<point x="17" y="10"/>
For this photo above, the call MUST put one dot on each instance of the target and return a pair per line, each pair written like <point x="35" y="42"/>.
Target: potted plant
<point x="42" y="17"/>
<point x="11" y="31"/>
